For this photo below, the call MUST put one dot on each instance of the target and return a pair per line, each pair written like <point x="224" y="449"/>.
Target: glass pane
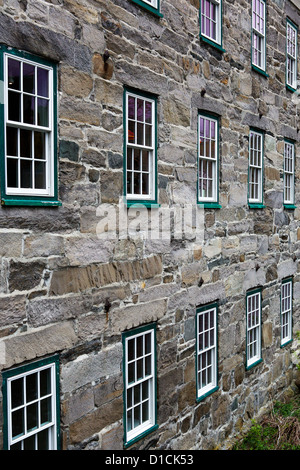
<point x="148" y="112"/>
<point x="131" y="107"/>
<point x="129" y="397"/>
<point x="145" y="183"/>
<point x="26" y="173"/>
<point x="145" y="411"/>
<point x="140" y="110"/>
<point x="45" y="382"/>
<point x="137" y="159"/>
<point x="12" y="173"/>
<point x="39" y="145"/>
<point x="29" y="443"/>
<point x="131" y="349"/>
<point x="14" y="107"/>
<point x="43" y="114"/>
<point x="17" y="393"/>
<point x="31" y="387"/>
<point x="11" y="141"/>
<point x="131" y="372"/>
<point x="145" y="160"/>
<point x="140" y="133"/>
<point x="17" y="422"/>
<point x="43" y="440"/>
<point x="136" y="183"/>
<point x="131" y="132"/>
<point x="129" y="420"/>
<point x="17" y="446"/>
<point x="148" y="365"/>
<point x="46" y="410"/>
<point x="28" y="78"/>
<point x="25" y="143"/>
<point x="40" y="175"/>
<point x="13" y="74"/>
<point x="147" y="343"/>
<point x="42" y="82"/>
<point x="148" y="136"/>
<point x="32" y="416"/>
<point x="140" y="369"/>
<point x="28" y="109"/>
<point x="145" y="391"/>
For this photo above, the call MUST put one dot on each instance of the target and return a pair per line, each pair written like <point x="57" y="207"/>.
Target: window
<point x="259" y="35"/>
<point x="291" y="55"/>
<point x="253" y="322"/>
<point x="255" y="177"/>
<point x="31" y="407"/>
<point x="139" y="383"/>
<point x="151" y="5"/>
<point x="286" y="311"/>
<point x="206" y="350"/>
<point x="140" y="152"/>
<point x="211" y="22"/>
<point x="208" y="149"/>
<point x="289" y="173"/>
<point x="28" y="163"/>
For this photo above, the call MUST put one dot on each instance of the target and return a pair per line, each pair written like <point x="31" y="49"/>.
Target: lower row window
<point x="30" y="402"/>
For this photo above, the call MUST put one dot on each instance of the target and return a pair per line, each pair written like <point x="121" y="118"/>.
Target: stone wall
<point x="65" y="290"/>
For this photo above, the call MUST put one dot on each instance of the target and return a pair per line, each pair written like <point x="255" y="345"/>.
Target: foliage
<point x="279" y="430"/>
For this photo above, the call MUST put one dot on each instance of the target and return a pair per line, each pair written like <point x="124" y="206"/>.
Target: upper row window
<point x="28" y="168"/>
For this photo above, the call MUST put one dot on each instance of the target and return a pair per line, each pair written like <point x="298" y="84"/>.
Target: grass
<point x="278" y="430"/>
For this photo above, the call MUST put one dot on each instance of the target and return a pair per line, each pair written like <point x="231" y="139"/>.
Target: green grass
<point x="279" y="430"/>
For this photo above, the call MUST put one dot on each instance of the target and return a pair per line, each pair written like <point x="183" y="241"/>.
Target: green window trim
<point x="218" y="44"/>
<point x="6" y="375"/>
<point x="152" y="202"/>
<point x="30" y="200"/>
<point x="290" y="336"/>
<point x="289" y="87"/>
<point x="289" y="206"/>
<point x="249" y="365"/>
<point x="151" y="9"/>
<point x="215" y="204"/>
<point x="215" y="386"/>
<point x="255" y="67"/>
<point x="151" y="327"/>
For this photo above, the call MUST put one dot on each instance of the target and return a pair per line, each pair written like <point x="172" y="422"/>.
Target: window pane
<point x="17" y="393"/>
<point x="25" y="143"/>
<point x="31" y="387"/>
<point x="46" y="410"/>
<point x="39" y="145"/>
<point x="26" y="173"/>
<point x="43" y="440"/>
<point x="17" y="422"/>
<point x="43" y="114"/>
<point x="14" y="108"/>
<point x="32" y="416"/>
<point x="29" y="443"/>
<point x="28" y="109"/>
<point x="12" y="141"/>
<point x="14" y="74"/>
<point x="28" y="78"/>
<point x="45" y="382"/>
<point x="42" y="82"/>
<point x="12" y="173"/>
<point x="40" y="175"/>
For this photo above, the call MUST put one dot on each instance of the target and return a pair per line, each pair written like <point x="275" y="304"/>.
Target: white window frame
<point x="286" y="308"/>
<point x="256" y="158"/>
<point x="217" y="4"/>
<point x="49" y="131"/>
<point x="259" y="33"/>
<point x="206" y="350"/>
<point x="146" y="383"/>
<point x="134" y="146"/>
<point x="291" y="55"/>
<point x="253" y="327"/>
<point x="51" y="425"/>
<point x="208" y="154"/>
<point x="289" y="173"/>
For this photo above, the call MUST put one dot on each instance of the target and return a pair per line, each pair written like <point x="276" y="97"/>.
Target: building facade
<point x="149" y="220"/>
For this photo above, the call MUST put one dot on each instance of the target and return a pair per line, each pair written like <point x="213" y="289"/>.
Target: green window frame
<point x="286" y="311"/>
<point x="206" y="353"/>
<point x="31" y="406"/>
<point x="258" y="36"/>
<point x="253" y="328"/>
<point x="140" y="147"/>
<point x="139" y="375"/>
<point x="291" y="55"/>
<point x="210" y="19"/>
<point x="28" y="134"/>
<point x="153" y="6"/>
<point x="208" y="160"/>
<point x="289" y="161"/>
<point x="256" y="169"/>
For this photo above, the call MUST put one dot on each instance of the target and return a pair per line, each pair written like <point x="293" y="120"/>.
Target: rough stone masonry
<point x="64" y="290"/>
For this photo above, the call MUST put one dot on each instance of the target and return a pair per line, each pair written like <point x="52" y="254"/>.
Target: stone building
<point x="149" y="220"/>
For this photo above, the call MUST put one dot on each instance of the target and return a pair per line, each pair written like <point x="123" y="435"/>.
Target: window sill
<point x="262" y="72"/>
<point x="149" y="8"/>
<point x="256" y="205"/>
<point x="212" y="43"/>
<point x="254" y="364"/>
<point x="290" y="88"/>
<point x="209" y="205"/>
<point x="30" y="202"/>
<point x="142" y="204"/>
<point x="289" y="341"/>
<point x="289" y="206"/>
<point x="140" y="436"/>
<point x="202" y="397"/>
